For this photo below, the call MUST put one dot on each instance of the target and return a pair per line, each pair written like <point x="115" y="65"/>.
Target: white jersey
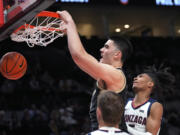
<point x="136" y="117"/>
<point x="108" y="131"/>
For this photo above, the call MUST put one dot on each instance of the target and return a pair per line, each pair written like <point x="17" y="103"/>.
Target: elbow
<point x="77" y="56"/>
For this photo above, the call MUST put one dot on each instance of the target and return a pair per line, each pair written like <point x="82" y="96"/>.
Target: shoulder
<point x="120" y="81"/>
<point x="114" y="79"/>
<point x="125" y="133"/>
<point x="99" y="132"/>
<point x="151" y="100"/>
<point x="156" y="109"/>
<point x="129" y="100"/>
<point x="109" y="71"/>
<point x="96" y="132"/>
<point x="156" y="106"/>
<point x="153" y="105"/>
<point x="120" y="70"/>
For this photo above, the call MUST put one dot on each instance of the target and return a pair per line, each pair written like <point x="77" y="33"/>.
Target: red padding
<point x="1" y="13"/>
<point x="14" y="12"/>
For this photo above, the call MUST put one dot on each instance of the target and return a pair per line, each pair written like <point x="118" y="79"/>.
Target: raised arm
<point x="154" y="120"/>
<point x="84" y="60"/>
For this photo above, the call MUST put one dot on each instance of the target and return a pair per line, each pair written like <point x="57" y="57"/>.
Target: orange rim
<point x="41" y="14"/>
<point x="48" y="14"/>
<point x="24" y="27"/>
<point x="31" y="26"/>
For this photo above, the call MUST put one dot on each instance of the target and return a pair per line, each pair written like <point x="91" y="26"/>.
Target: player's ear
<point x="98" y="113"/>
<point x="150" y="84"/>
<point x="118" y="54"/>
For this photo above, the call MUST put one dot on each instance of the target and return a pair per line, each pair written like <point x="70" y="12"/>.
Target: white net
<point x="40" y="31"/>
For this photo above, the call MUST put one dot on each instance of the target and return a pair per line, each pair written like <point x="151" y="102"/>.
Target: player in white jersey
<point x="142" y="113"/>
<point x="109" y="111"/>
<point x="136" y="116"/>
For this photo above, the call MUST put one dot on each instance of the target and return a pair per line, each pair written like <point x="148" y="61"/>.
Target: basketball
<point x="13" y="65"/>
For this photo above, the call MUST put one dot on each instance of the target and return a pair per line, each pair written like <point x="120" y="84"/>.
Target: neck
<point x="103" y="124"/>
<point x="117" y="65"/>
<point x="141" y="97"/>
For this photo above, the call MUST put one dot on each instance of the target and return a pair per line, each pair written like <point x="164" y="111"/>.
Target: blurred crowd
<point x="54" y="101"/>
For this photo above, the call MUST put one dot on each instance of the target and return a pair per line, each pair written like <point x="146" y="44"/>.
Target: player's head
<point x="116" y="49"/>
<point x="109" y="108"/>
<point x="143" y="82"/>
<point x="156" y="80"/>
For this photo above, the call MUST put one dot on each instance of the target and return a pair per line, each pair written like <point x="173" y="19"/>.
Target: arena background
<point x="53" y="96"/>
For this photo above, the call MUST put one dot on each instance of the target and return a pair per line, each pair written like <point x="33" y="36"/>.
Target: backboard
<point x="14" y="13"/>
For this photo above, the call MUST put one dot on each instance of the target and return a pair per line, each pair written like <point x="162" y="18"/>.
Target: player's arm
<point x="154" y="120"/>
<point x="84" y="60"/>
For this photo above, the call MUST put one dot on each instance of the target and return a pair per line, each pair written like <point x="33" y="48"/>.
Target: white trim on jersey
<point x="108" y="131"/>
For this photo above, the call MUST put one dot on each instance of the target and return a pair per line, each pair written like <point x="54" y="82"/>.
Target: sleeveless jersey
<point x="93" y="105"/>
<point x="108" y="131"/>
<point x="136" y="117"/>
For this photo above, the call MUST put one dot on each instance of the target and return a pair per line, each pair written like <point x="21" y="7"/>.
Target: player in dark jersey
<point x="142" y="113"/>
<point x="93" y="105"/>
<point x="109" y="111"/>
<point x="108" y="71"/>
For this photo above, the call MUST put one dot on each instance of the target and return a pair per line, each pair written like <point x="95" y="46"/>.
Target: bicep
<point x="88" y="64"/>
<point x="154" y="120"/>
<point x="95" y="69"/>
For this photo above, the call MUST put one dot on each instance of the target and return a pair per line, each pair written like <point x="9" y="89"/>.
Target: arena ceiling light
<point x="178" y="31"/>
<point x="117" y="30"/>
<point x="124" y="2"/>
<point x="126" y="26"/>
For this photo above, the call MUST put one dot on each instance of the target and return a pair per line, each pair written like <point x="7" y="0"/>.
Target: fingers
<point x="62" y="27"/>
<point x="65" y="16"/>
<point x="67" y="21"/>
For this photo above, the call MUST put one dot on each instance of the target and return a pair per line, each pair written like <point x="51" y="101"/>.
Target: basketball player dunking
<point x="142" y="113"/>
<point x="108" y="71"/>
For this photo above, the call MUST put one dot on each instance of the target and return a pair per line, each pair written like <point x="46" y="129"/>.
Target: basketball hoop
<point x="41" y="31"/>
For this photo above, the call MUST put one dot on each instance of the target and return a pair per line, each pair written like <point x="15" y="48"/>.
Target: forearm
<point x="74" y="43"/>
<point x="135" y="132"/>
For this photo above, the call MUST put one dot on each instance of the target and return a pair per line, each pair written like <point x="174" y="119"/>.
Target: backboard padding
<point x="24" y="17"/>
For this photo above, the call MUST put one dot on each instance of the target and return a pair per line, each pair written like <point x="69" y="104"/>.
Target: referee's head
<point x="110" y="108"/>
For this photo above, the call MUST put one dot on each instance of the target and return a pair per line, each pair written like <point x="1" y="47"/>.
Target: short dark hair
<point x="124" y="45"/>
<point x="111" y="106"/>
